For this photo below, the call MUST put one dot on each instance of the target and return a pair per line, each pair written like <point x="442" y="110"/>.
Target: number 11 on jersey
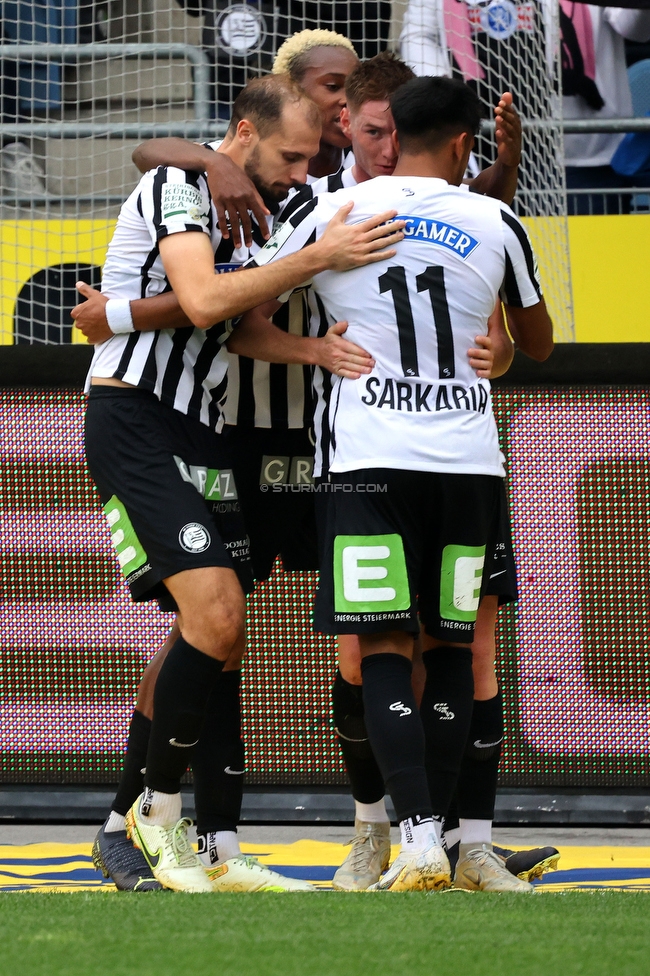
<point x="432" y="280"/>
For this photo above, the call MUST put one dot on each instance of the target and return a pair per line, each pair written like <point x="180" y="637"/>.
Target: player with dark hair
<point x="164" y="476"/>
<point x="368" y="122"/>
<point x="421" y="412"/>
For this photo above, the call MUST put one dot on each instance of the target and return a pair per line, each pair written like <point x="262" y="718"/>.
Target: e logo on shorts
<point x="129" y="549"/>
<point x="370" y="574"/>
<point x="461" y="574"/>
<point x="194" y="537"/>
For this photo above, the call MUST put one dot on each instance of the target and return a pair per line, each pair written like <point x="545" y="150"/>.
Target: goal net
<point x="84" y="81"/>
<point x="498" y="46"/>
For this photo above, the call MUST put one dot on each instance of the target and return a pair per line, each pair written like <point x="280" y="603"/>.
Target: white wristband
<point x="118" y="315"/>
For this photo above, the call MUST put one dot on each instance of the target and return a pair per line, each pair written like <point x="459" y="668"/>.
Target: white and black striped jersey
<point x="184" y="368"/>
<point x="274" y="395"/>
<point x="347" y="162"/>
<point x="422" y="407"/>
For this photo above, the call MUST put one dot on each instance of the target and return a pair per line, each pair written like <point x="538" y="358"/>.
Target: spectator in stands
<point x="451" y="37"/>
<point x="439" y="37"/>
<point x="21" y="174"/>
<point x="595" y="86"/>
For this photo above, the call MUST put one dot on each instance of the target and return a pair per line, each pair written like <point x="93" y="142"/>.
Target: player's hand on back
<point x="346" y="246"/>
<point x="342" y="357"/>
<point x="508" y="131"/>
<point x="234" y="195"/>
<point x="90" y="315"/>
<point x="481" y="356"/>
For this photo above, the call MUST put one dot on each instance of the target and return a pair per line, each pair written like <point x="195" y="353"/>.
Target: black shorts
<point x="168" y="491"/>
<point x="273" y="470"/>
<point x="401" y="543"/>
<point x="500" y="568"/>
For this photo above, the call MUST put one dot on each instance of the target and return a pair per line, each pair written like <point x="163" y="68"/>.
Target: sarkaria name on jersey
<point x="436" y="232"/>
<point x="410" y="397"/>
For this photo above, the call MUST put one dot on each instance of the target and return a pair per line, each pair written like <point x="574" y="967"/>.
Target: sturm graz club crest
<point x="194" y="537"/>
<point x="241" y="30"/>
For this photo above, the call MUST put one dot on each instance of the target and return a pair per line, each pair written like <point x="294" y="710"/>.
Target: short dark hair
<point x="376" y="79"/>
<point x="263" y="100"/>
<point x="429" y="111"/>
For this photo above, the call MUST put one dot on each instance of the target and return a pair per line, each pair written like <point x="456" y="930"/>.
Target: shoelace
<point x="183" y="851"/>
<point x="360" y="852"/>
<point x="482" y="857"/>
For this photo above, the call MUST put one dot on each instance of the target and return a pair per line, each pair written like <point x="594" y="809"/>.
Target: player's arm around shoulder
<point x="528" y="320"/>
<point x="208" y="298"/>
<point x="233" y="193"/>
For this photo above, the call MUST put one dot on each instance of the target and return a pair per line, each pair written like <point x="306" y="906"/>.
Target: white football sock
<point x="114" y="823"/>
<point x="218" y="846"/>
<point x="371" y="812"/>
<point x="475" y="831"/>
<point x="161" y="809"/>
<point x="417" y="837"/>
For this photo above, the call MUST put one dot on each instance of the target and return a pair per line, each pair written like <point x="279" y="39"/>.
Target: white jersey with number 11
<point x="423" y="407"/>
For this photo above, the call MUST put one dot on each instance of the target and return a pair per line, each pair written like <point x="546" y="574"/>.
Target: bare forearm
<point x="532" y="330"/>
<point x="497" y="181"/>
<point x="227" y="296"/>
<point x="504" y="353"/>
<point x="160" y="312"/>
<point x="208" y="298"/>
<point x="172" y="152"/>
<point x="258" y="338"/>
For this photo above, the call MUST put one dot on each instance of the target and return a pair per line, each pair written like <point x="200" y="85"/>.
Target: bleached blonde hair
<point x="289" y="58"/>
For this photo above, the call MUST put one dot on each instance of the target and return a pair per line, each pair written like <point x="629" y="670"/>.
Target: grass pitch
<point x="453" y="934"/>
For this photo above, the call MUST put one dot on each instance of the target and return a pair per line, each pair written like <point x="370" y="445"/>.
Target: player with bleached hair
<point x="320" y="62"/>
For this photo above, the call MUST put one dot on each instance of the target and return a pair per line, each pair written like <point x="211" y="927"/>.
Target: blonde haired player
<point x="320" y="62"/>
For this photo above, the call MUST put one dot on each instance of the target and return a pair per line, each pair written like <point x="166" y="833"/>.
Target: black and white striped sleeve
<point x="175" y="201"/>
<point x="521" y="287"/>
<point x="292" y="235"/>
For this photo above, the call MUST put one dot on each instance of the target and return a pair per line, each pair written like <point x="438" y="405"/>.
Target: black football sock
<point x="218" y="759"/>
<point x="183" y="687"/>
<point x="350" y="726"/>
<point x="446" y="712"/>
<point x="395" y="733"/>
<point x="132" y="779"/>
<point x="477" y="783"/>
<point x="451" y="817"/>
